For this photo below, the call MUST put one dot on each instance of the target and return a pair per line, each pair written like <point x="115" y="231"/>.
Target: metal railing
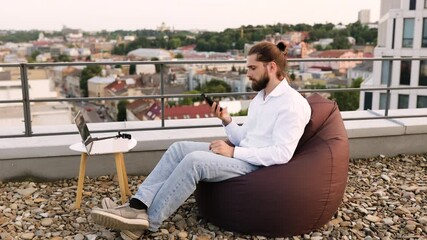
<point x="26" y="101"/>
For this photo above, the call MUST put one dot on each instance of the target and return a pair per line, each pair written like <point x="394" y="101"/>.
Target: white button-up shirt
<point x="273" y="127"/>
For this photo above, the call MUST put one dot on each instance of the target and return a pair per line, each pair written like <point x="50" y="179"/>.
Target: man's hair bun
<point x="281" y="46"/>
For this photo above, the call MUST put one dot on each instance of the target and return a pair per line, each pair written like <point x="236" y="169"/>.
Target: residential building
<point x="40" y="88"/>
<point x="37" y="73"/>
<point x="402" y="33"/>
<point x="363" y="70"/>
<point x="139" y="109"/>
<point x="41" y="113"/>
<point x="324" y="42"/>
<point x="149" y="53"/>
<point x="338" y="67"/>
<point x="97" y="84"/>
<point x="116" y="89"/>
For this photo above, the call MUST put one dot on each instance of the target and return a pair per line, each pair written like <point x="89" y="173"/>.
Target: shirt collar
<point x="278" y="90"/>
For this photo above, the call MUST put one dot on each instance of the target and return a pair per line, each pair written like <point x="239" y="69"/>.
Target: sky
<point x="212" y="15"/>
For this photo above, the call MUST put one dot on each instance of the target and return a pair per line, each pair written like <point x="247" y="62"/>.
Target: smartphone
<point x="209" y="100"/>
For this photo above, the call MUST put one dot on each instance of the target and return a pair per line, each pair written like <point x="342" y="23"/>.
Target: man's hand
<point x="223" y="115"/>
<point x="222" y="148"/>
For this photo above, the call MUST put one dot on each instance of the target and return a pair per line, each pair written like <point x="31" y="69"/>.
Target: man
<point x="276" y="120"/>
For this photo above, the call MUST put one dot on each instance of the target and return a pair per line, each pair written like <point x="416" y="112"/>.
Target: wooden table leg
<point x="119" y="167"/>
<point x="82" y="172"/>
<point x="125" y="175"/>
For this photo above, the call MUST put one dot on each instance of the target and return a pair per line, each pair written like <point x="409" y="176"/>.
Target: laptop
<point x="99" y="145"/>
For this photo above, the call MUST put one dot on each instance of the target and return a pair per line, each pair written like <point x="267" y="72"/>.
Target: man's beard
<point x="261" y="83"/>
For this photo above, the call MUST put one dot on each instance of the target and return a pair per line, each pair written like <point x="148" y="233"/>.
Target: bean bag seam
<point x="330" y="185"/>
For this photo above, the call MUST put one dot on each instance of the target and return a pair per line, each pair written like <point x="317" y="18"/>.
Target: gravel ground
<point x="386" y="198"/>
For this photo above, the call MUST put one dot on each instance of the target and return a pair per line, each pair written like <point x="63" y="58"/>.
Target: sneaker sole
<point x="128" y="235"/>
<point x="116" y="222"/>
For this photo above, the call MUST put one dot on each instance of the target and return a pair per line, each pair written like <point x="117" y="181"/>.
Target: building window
<point x="424" y="39"/>
<point x="408" y="32"/>
<point x="383" y="100"/>
<point x="423" y="73"/>
<point x="386" y="72"/>
<point x="403" y="101"/>
<point x="405" y="72"/>
<point x="421" y="101"/>
<point x="368" y="101"/>
<point x="412" y="4"/>
<point x="425" y="3"/>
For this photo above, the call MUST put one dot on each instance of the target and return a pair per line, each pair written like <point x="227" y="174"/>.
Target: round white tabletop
<point x="131" y="143"/>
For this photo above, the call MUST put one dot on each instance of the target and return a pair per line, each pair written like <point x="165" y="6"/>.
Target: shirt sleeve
<point x="235" y="133"/>
<point x="289" y="128"/>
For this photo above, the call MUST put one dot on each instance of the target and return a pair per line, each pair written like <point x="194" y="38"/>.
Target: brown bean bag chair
<point x="289" y="199"/>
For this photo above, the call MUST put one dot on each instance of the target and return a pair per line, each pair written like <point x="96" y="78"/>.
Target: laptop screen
<point x="82" y="127"/>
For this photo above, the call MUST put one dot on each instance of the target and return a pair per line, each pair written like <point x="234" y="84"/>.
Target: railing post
<point x="387" y="103"/>
<point x="162" y="94"/>
<point x="26" y="99"/>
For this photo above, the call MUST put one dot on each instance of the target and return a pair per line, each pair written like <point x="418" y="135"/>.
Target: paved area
<point x="386" y="198"/>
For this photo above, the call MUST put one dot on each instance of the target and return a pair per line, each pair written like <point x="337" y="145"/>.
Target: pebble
<point x="372" y="218"/>
<point x="79" y="237"/>
<point x="386" y="198"/>
<point x="27" y="235"/>
<point x="47" y="222"/>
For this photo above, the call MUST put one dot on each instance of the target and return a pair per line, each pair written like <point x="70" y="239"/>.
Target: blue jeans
<point x="176" y="175"/>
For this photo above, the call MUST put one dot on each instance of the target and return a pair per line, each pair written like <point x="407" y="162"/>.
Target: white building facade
<point x="364" y="16"/>
<point x="402" y="33"/>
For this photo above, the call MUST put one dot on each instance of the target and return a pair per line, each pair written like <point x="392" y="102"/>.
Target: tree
<point x="215" y="86"/>
<point x="292" y="76"/>
<point x="88" y="73"/>
<point x="348" y="101"/>
<point x="189" y="100"/>
<point x="340" y="42"/>
<point x="121" y="110"/>
<point x="119" y="49"/>
<point x="243" y="112"/>
<point x="174" y="43"/>
<point x="132" y="69"/>
<point x="179" y="56"/>
<point x="35" y="54"/>
<point x="63" y="58"/>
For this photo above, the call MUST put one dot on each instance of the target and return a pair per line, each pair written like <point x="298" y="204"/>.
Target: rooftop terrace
<point x="386" y="198"/>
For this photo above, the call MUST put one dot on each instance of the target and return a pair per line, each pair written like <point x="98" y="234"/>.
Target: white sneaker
<point x="107" y="203"/>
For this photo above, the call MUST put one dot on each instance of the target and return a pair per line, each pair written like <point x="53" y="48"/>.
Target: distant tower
<point x="364" y="16"/>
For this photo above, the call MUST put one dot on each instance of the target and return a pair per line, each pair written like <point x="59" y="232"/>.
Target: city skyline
<point x="96" y="15"/>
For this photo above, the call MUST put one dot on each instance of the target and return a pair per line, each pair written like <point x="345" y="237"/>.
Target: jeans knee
<point x="178" y="145"/>
<point x="193" y="159"/>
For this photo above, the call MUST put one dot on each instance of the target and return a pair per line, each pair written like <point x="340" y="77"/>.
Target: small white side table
<point x="120" y="167"/>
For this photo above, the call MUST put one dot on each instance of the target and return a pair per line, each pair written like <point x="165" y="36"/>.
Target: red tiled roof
<point x="41" y="43"/>
<point x="148" y="109"/>
<point x="116" y="86"/>
<point x="133" y="106"/>
<point x="332" y="53"/>
<point x="181" y="112"/>
<point x="188" y="47"/>
<point x="368" y="55"/>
